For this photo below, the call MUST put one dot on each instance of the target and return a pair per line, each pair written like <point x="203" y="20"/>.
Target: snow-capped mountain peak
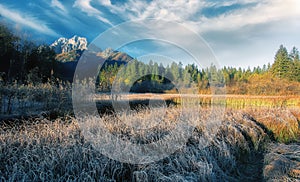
<point x="63" y="45"/>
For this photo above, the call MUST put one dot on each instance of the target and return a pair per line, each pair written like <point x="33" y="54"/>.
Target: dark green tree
<point x="282" y="64"/>
<point x="295" y="72"/>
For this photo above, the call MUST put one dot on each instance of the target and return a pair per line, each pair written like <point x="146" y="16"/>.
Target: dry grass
<point x="232" y="101"/>
<point x="43" y="150"/>
<point x="282" y="163"/>
<point x="282" y="122"/>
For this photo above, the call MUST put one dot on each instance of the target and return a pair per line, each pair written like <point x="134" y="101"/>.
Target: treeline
<point x="282" y="77"/>
<point x="25" y="62"/>
<point x="137" y="76"/>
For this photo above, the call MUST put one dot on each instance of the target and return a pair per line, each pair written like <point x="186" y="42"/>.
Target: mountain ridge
<point x="69" y="52"/>
<point x="63" y="45"/>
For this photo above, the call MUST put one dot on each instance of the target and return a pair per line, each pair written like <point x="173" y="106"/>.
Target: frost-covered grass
<point x="282" y="162"/>
<point x="44" y="150"/>
<point x="29" y="99"/>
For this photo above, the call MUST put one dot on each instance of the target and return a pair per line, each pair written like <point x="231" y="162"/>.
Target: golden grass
<point x="282" y="122"/>
<point x="232" y="101"/>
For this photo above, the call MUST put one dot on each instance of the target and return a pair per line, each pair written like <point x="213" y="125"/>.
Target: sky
<point x="240" y="33"/>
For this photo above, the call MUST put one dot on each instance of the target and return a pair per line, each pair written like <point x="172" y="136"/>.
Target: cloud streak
<point x="167" y="9"/>
<point x="27" y="21"/>
<point x="59" y="5"/>
<point x="86" y="7"/>
<point x="189" y="12"/>
<point x="264" y="12"/>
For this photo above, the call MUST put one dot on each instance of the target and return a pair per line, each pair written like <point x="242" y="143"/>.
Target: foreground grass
<point x="283" y="123"/>
<point x="282" y="162"/>
<point x="44" y="150"/>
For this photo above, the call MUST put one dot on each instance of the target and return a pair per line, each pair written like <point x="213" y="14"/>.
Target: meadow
<point x="257" y="138"/>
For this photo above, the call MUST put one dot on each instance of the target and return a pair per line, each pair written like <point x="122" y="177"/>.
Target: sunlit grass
<point x="231" y="101"/>
<point x="283" y="123"/>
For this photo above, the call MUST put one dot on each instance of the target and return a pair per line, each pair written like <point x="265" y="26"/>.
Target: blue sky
<point x="240" y="32"/>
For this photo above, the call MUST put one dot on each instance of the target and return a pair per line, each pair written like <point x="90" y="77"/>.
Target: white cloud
<point x="112" y="8"/>
<point x="105" y="2"/>
<point x="230" y="2"/>
<point x="27" y="20"/>
<point x="179" y="10"/>
<point x="189" y="12"/>
<point x="56" y="3"/>
<point x="86" y="7"/>
<point x="264" y="12"/>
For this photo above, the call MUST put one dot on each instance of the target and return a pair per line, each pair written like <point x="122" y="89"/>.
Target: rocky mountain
<point x="64" y="45"/>
<point x="70" y="50"/>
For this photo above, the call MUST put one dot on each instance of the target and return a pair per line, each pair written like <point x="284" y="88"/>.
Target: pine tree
<point x="282" y="64"/>
<point x="295" y="72"/>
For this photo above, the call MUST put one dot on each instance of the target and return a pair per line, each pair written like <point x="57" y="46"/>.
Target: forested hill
<point x="25" y="62"/>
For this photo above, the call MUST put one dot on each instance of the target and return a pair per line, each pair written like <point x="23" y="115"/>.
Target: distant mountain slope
<point x="111" y="56"/>
<point x="70" y="56"/>
<point x="69" y="52"/>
